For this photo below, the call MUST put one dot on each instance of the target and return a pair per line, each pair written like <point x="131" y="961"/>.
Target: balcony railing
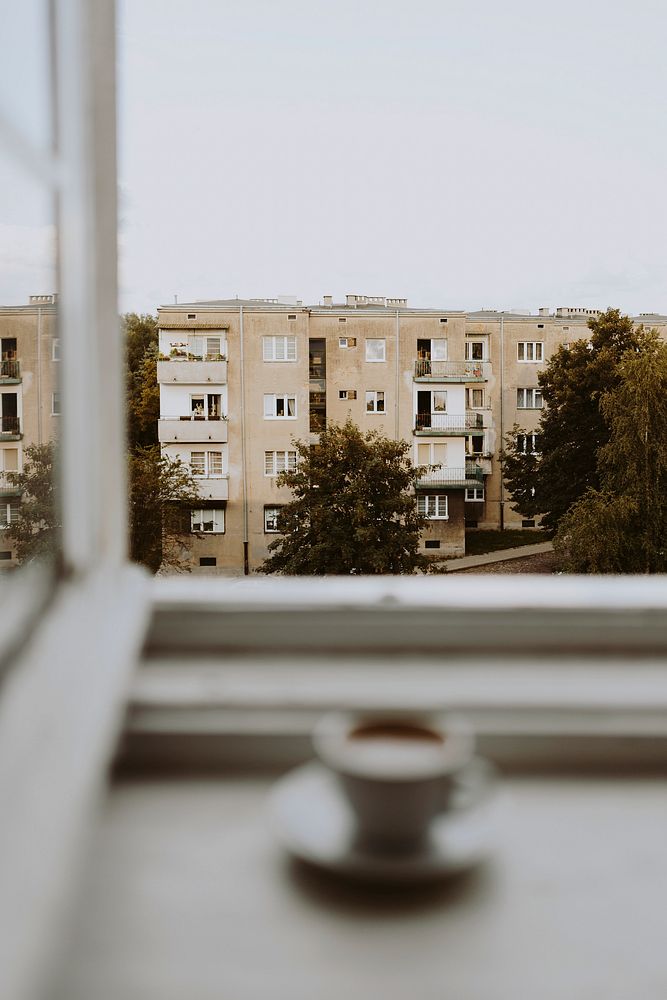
<point x="455" y="370"/>
<point x="7" y="488"/>
<point x="448" y="421"/>
<point x="10" y="369"/>
<point x="10" y="425"/>
<point x="187" y="356"/>
<point x="192" y="416"/>
<point x="471" y="475"/>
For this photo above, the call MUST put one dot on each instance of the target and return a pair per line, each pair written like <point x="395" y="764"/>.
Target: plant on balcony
<point x="353" y="508"/>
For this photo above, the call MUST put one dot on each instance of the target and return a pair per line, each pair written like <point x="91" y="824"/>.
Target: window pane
<point x="291" y="406"/>
<point x="269" y="404"/>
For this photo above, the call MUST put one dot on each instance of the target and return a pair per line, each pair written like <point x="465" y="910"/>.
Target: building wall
<point x="249" y="378"/>
<point x="34" y="328"/>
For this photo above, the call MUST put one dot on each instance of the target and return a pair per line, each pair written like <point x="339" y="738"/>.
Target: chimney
<point x="328" y="301"/>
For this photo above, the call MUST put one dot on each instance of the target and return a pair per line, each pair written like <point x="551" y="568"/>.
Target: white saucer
<point x="313" y="820"/>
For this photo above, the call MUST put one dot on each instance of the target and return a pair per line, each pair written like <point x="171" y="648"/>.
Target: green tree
<point x="162" y="491"/>
<point x="572" y="427"/>
<point x="353" y="508"/>
<point x="143" y="391"/>
<point x="622" y="527"/>
<point x="36" y="532"/>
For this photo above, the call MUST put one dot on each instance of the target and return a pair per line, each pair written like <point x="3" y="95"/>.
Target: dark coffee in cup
<point x="396" y="769"/>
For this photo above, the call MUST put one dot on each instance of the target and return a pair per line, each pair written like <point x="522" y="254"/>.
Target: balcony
<point x="452" y="478"/>
<point x="213" y="487"/>
<point x="10" y="372"/>
<point x="448" y="423"/>
<point x="10" y="429"/>
<point x="192" y="429"/>
<point x="201" y="371"/>
<point x="7" y="488"/>
<point x="451" y="371"/>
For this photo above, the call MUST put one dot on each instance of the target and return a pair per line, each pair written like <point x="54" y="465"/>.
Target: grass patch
<point x="480" y="542"/>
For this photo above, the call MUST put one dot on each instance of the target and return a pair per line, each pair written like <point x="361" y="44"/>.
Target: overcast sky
<point x="461" y="154"/>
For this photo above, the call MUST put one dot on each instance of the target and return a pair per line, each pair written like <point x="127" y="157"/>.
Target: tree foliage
<point x="162" y="491"/>
<point x="36" y="532"/>
<point x="572" y="427"/>
<point x="353" y="508"/>
<point x="622" y="527"/>
<point x="143" y="391"/>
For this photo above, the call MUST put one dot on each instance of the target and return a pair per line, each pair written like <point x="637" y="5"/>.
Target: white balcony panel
<point x="213" y="487"/>
<point x="192" y="372"/>
<point x="175" y="429"/>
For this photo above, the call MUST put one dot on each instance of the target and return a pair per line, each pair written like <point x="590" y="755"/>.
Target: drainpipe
<point x="246" y="568"/>
<point x="39" y="377"/>
<point x="398" y="374"/>
<point x="502" y="421"/>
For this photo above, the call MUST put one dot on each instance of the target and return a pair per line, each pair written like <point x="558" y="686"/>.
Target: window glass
<point x="375" y="349"/>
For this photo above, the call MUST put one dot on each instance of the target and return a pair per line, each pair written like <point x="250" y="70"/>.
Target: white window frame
<point x="9" y="511"/>
<point x="271" y="406"/>
<point x="528" y="401"/>
<point x="526" y="437"/>
<point x="474" y="494"/>
<point x="56" y="403"/>
<point x="218" y="515"/>
<point x="437" y="502"/>
<point x="55" y="349"/>
<point x="469" y="350"/>
<point x="267" y="510"/>
<point x="534" y="348"/>
<point x="347" y="343"/>
<point x="381" y="348"/>
<point x="279" y="461"/>
<point x="373" y="397"/>
<point x="287" y="344"/>
<point x="209" y="463"/>
<point x="470" y="396"/>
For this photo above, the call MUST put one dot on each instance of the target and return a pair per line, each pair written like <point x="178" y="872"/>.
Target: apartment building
<point x="29" y="394"/>
<point x="240" y="380"/>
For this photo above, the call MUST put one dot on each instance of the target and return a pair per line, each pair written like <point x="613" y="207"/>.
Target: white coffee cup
<point x="397" y="769"/>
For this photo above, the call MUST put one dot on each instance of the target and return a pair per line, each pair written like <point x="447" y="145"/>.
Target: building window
<point x="527" y="444"/>
<point x="474" y="399"/>
<point x="474" y="493"/>
<point x="276" y="462"/>
<point x="279" y="407"/>
<point x="432" y="543"/>
<point x="375" y="350"/>
<point x="475" y="444"/>
<point x="9" y="512"/>
<point x="206" y="406"/>
<point x="443" y="319"/>
<point x="55" y="404"/>
<point x="271" y="520"/>
<point x="292" y="316"/>
<point x="347" y="393"/>
<point x="342" y="319"/>
<point x="433" y="506"/>
<point x="432" y="453"/>
<point x="530" y="350"/>
<point x="374" y="402"/>
<point x="528" y="523"/>
<point x="5" y="555"/>
<point x="475" y="350"/>
<point x="55" y="349"/>
<point x="209" y="520"/>
<point x="529" y="399"/>
<point x="347" y="342"/>
<point x="439" y="401"/>
<point x="279" y="348"/>
<point x="206" y="464"/>
<point x="192" y="315"/>
<point x="208" y="561"/>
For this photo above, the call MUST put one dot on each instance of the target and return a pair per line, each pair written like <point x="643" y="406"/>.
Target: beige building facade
<point x="240" y="380"/>
<point x="29" y="395"/>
